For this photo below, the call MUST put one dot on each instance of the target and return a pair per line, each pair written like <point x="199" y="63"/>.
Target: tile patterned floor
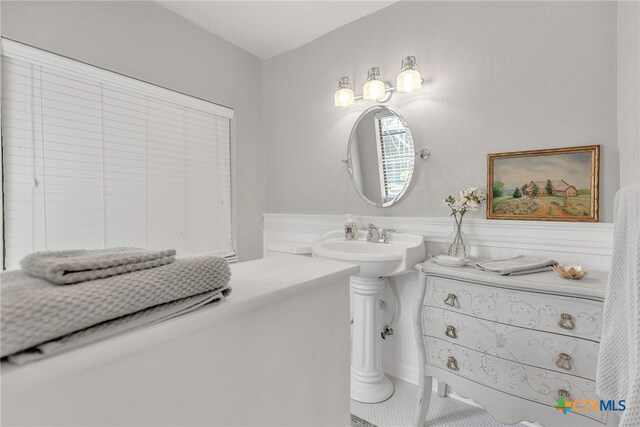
<point x="359" y="422"/>
<point x="398" y="411"/>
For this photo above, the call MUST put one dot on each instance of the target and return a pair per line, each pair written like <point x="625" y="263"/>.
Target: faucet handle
<point x="369" y="227"/>
<point x="383" y="234"/>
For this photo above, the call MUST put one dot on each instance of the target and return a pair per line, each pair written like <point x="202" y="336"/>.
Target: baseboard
<point x="402" y="371"/>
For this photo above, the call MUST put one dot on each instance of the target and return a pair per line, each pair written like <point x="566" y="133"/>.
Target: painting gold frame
<point x="594" y="183"/>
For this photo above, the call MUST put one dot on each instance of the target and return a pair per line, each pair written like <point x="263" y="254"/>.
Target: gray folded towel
<point x="67" y="267"/>
<point x="35" y="311"/>
<point x="518" y="265"/>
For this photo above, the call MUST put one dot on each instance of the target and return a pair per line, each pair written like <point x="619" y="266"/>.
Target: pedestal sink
<point x="377" y="261"/>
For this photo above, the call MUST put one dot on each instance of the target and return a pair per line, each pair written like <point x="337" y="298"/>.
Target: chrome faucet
<point x="377" y="235"/>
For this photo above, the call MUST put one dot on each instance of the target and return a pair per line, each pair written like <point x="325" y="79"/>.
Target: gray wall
<point x="629" y="91"/>
<point x="501" y="76"/>
<point x="148" y="42"/>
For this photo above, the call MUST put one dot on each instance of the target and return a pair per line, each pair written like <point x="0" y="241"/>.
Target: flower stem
<point x="457" y="244"/>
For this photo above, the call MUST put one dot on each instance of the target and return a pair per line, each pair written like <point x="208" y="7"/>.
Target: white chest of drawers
<point x="512" y="344"/>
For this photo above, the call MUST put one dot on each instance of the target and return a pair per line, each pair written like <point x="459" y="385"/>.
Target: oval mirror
<point x="380" y="156"/>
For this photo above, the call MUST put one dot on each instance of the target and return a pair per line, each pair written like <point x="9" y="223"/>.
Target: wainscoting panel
<point x="586" y="244"/>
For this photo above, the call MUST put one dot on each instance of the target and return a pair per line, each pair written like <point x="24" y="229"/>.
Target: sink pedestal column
<point x="368" y="383"/>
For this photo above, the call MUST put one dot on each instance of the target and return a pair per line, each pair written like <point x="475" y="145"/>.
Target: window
<point x="93" y="159"/>
<point x="396" y="156"/>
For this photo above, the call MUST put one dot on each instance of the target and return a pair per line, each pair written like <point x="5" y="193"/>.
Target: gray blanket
<point x="66" y="267"/>
<point x="34" y="311"/>
<point x="110" y="328"/>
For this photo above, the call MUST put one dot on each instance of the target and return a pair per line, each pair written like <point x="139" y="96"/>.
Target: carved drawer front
<point x="561" y="353"/>
<point x="539" y="385"/>
<point x="557" y="314"/>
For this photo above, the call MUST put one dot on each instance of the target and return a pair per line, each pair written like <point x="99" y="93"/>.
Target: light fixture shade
<point x="374" y="88"/>
<point x="409" y="79"/>
<point x="344" y="95"/>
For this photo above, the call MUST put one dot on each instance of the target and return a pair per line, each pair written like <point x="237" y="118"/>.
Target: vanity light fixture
<point x="375" y="89"/>
<point x="344" y="95"/>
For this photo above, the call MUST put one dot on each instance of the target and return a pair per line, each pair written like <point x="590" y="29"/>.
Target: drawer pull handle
<point x="451" y="332"/>
<point x="566" y="321"/>
<point x="452" y="363"/>
<point x="450" y="300"/>
<point x="565" y="394"/>
<point x="564" y="362"/>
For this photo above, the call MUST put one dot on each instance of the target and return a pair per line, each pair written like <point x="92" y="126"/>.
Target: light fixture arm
<point x="388" y="90"/>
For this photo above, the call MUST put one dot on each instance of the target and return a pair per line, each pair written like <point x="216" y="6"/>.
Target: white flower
<point x="469" y="199"/>
<point x="473" y="207"/>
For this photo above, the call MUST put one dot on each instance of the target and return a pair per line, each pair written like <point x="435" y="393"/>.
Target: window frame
<point x="12" y="49"/>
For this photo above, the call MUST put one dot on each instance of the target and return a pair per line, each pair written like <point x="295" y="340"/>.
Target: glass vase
<point x="456" y="241"/>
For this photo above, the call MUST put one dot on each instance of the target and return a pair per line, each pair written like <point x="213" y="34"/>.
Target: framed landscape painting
<point x="559" y="184"/>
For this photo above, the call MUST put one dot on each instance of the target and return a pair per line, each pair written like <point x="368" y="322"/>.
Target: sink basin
<point x="375" y="259"/>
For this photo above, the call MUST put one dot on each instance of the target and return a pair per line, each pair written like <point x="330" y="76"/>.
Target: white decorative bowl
<point x="575" y="272"/>
<point x="450" y="261"/>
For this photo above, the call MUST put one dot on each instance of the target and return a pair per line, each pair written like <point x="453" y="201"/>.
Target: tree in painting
<point x="535" y="190"/>
<point x="517" y="193"/>
<point x="549" y="187"/>
<point x="498" y="189"/>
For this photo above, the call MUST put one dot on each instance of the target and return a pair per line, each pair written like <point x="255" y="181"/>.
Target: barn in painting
<point x="560" y="188"/>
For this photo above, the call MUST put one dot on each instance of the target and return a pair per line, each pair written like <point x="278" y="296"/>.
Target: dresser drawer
<point x="557" y="314"/>
<point x="535" y="348"/>
<point x="535" y="384"/>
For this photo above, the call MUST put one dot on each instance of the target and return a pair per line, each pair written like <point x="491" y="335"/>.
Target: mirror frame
<point x="350" y="166"/>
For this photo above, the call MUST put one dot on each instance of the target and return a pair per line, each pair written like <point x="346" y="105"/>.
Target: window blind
<point x="94" y="159"/>
<point x="397" y="156"/>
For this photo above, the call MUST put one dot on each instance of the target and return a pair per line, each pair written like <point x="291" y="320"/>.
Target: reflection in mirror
<point x="380" y="156"/>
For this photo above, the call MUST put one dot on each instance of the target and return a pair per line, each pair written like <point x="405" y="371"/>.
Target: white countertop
<point x="289" y="247"/>
<point x="254" y="284"/>
<point x="593" y="286"/>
